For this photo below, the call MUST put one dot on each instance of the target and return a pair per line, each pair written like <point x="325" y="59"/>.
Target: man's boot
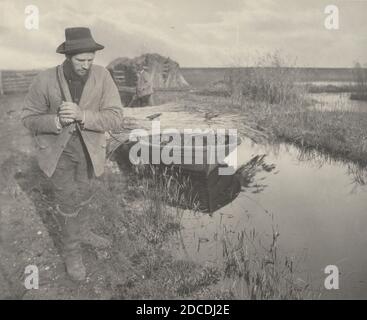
<point x="71" y="249"/>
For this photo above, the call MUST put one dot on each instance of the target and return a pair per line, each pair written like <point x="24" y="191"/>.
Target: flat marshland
<point x="158" y="252"/>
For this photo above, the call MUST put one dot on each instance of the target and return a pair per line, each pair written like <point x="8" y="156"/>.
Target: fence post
<point x="1" y="84"/>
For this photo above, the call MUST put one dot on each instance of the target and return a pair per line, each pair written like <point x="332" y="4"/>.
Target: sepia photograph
<point x="183" y="150"/>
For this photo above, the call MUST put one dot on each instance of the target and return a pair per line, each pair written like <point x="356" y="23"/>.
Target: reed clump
<point x="271" y="80"/>
<point x="255" y="269"/>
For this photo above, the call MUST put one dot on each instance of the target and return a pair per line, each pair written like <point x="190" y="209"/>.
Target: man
<point x="68" y="109"/>
<point x="144" y="87"/>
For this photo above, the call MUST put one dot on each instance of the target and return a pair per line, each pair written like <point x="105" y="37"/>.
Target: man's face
<point x="82" y="62"/>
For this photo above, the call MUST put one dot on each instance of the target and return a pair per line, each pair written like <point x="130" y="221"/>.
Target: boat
<point x="210" y="189"/>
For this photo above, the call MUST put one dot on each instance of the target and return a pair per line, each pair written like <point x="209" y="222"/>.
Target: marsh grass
<point x="256" y="269"/>
<point x="272" y="81"/>
<point x="338" y="133"/>
<point x="165" y="194"/>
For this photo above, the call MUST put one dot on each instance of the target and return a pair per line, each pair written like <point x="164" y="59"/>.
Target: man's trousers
<point x="72" y="186"/>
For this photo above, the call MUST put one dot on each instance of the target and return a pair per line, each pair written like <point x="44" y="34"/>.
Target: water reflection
<point x="246" y="173"/>
<point x="315" y="159"/>
<point x="216" y="191"/>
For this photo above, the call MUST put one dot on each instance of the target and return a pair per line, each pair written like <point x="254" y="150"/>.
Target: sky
<point x="195" y="33"/>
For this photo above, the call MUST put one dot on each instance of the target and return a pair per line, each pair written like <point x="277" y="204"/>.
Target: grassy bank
<point x="337" y="133"/>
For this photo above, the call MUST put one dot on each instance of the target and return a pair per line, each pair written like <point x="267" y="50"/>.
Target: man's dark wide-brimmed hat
<point x="78" y="40"/>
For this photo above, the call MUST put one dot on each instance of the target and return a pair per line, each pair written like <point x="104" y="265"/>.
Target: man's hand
<point x="60" y="123"/>
<point x="69" y="112"/>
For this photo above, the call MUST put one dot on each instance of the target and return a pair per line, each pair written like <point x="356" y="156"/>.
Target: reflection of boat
<point x="214" y="191"/>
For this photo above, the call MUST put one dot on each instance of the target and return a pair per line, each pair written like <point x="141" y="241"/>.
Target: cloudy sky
<point x="196" y="33"/>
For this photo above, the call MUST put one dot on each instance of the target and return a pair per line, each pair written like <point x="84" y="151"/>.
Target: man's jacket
<point x="103" y="112"/>
<point x="144" y="86"/>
